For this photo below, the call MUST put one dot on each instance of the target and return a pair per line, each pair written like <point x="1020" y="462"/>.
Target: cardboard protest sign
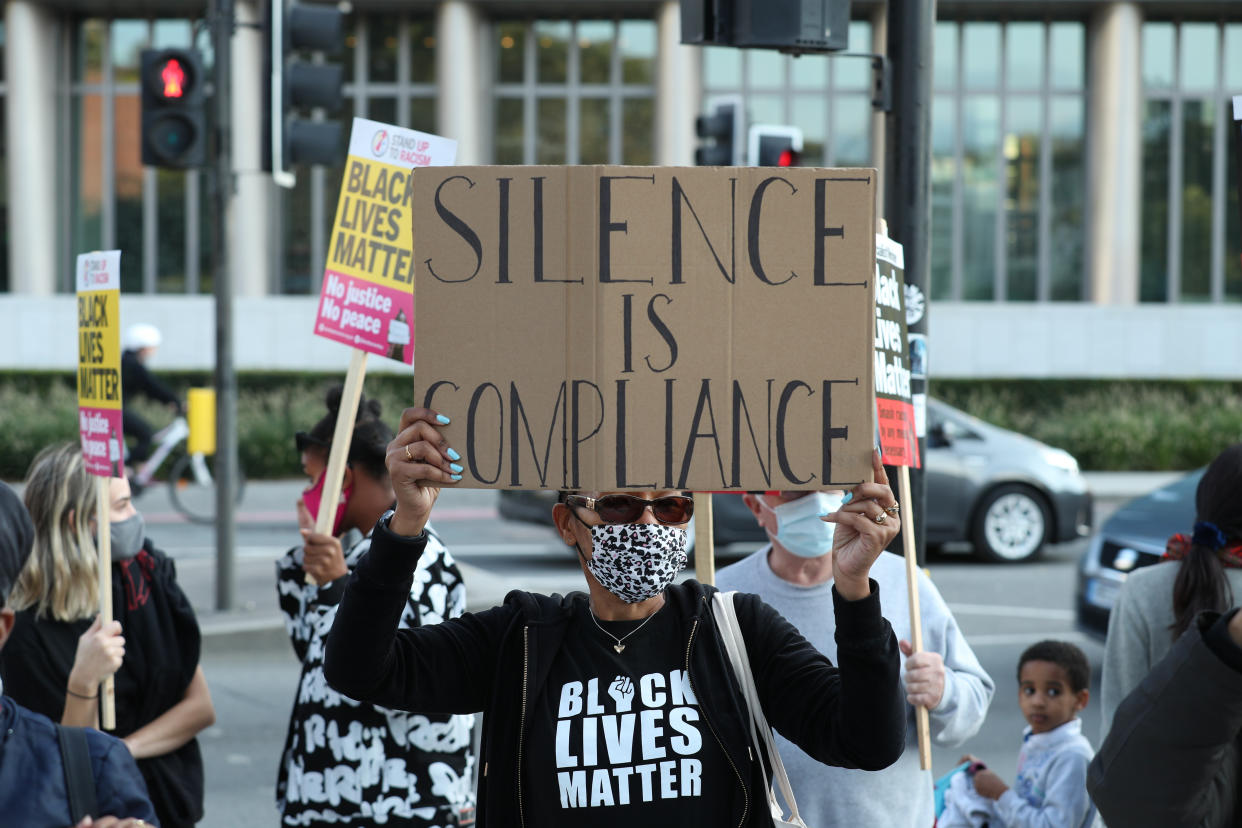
<point x="609" y="328"/>
<point x="367" y="297"/>
<point x="98" y="281"/>
<point x="895" y="418"/>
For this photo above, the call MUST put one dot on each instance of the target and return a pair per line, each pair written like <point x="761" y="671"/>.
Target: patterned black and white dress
<point x="347" y="763"/>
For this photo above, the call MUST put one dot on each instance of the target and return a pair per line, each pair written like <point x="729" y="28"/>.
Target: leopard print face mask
<point x="636" y="561"/>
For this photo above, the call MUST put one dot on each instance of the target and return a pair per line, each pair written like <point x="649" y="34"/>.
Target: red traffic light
<point x="172" y="78"/>
<point x="787" y="158"/>
<point x="174" y="117"/>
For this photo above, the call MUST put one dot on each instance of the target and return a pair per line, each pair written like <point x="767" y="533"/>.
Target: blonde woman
<point x="60" y="652"/>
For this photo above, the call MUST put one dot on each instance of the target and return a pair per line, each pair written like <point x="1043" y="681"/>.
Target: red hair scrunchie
<point x="1178" y="547"/>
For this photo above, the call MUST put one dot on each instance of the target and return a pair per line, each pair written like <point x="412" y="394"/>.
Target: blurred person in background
<point x="377" y="765"/>
<point x="1174" y="754"/>
<point x="34" y="782"/>
<point x="138" y="345"/>
<point x="59" y="652"/>
<point x="1200" y="572"/>
<point x="793" y="573"/>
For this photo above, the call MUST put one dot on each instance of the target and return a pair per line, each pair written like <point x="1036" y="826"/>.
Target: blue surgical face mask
<point x="798" y="527"/>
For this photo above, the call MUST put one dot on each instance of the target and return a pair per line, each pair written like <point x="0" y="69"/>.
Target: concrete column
<point x="879" y="120"/>
<point x="31" y="71"/>
<point x="461" y="91"/>
<point x="250" y="230"/>
<point x="679" y="90"/>
<point x="1114" y="154"/>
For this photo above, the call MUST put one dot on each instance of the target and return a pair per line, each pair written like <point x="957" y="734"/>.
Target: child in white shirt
<point x="1051" y="788"/>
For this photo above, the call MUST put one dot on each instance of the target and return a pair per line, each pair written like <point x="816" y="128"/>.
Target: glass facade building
<point x="1012" y="172"/>
<point x="1190" y="226"/>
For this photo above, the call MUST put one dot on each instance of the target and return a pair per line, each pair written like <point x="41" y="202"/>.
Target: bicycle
<point x="192" y="487"/>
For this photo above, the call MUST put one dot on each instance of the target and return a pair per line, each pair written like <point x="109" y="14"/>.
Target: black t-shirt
<point x="621" y="734"/>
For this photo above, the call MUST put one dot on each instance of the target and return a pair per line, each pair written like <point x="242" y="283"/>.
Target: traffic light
<point x="794" y="26"/>
<point x="774" y="146"/>
<point x="297" y="84"/>
<point x="174" y="124"/>
<point x="722" y="129"/>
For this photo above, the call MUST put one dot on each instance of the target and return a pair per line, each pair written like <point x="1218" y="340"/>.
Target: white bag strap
<point x="735" y="646"/>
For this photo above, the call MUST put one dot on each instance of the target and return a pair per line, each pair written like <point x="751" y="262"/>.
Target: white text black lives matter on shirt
<point x="622" y="734"/>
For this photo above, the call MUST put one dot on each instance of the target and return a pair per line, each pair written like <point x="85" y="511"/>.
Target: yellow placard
<point x="367" y="299"/>
<point x="99" y="361"/>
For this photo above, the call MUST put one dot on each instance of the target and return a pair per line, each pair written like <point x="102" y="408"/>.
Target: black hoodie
<point x="497" y="661"/>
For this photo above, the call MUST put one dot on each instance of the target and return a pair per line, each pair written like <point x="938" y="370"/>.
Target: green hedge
<point x="1107" y="425"/>
<point x="38" y="409"/>
<point x="1111" y="425"/>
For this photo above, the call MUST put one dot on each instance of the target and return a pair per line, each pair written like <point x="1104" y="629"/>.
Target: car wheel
<point x="1011" y="524"/>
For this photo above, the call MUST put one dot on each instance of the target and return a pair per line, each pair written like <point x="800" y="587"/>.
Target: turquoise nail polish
<point x="453" y="455"/>
<point x="442" y="420"/>
<point x="848" y="497"/>
<point x="456" y="477"/>
<point x="455" y="467"/>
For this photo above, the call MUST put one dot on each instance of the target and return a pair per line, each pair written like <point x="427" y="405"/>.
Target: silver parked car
<point x="1005" y="493"/>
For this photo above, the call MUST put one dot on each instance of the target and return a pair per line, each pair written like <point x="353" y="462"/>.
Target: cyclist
<point x="138" y="345"/>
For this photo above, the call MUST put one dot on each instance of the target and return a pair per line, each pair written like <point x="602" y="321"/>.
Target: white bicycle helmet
<point x="141" y="335"/>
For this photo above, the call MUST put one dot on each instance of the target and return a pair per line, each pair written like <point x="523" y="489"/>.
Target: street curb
<point x="237" y="630"/>
<point x="241" y="629"/>
<point x="224" y="633"/>
<point x="1126" y="485"/>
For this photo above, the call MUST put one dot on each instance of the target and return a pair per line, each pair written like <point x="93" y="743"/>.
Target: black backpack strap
<point x="79" y="777"/>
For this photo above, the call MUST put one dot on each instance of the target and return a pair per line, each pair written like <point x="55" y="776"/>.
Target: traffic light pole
<point x="226" y="378"/>
<point x="907" y="193"/>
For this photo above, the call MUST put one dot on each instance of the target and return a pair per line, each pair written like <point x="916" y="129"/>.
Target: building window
<point x="389" y="64"/>
<point x="159" y="219"/>
<point x="827" y="97"/>
<point x="1007" y="176"/>
<point x="574" y="92"/>
<point x="1191" y="249"/>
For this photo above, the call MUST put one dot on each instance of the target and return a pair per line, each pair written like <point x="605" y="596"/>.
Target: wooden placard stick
<point x="704" y="542"/>
<point x="103" y="523"/>
<point x="921" y="720"/>
<point x="346" y="416"/>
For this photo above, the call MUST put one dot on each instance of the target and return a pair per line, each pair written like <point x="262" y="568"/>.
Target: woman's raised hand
<point x="866" y="523"/>
<point x="419" y="462"/>
<point x="101" y="649"/>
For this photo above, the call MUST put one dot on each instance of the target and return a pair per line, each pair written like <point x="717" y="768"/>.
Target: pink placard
<point x="374" y="318"/>
<point x="101" y="441"/>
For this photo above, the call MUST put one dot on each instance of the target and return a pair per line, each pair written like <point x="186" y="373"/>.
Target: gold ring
<point x="408" y="456"/>
<point x="894" y="509"/>
<point x="881" y="518"/>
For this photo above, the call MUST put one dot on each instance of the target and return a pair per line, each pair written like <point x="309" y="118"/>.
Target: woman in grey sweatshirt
<point x="1202" y="572"/>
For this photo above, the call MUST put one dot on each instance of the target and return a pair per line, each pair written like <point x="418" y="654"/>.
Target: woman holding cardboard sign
<point x="621" y="700"/>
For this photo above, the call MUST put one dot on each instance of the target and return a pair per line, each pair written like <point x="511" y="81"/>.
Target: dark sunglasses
<point x="304" y="441"/>
<point x="623" y="508"/>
